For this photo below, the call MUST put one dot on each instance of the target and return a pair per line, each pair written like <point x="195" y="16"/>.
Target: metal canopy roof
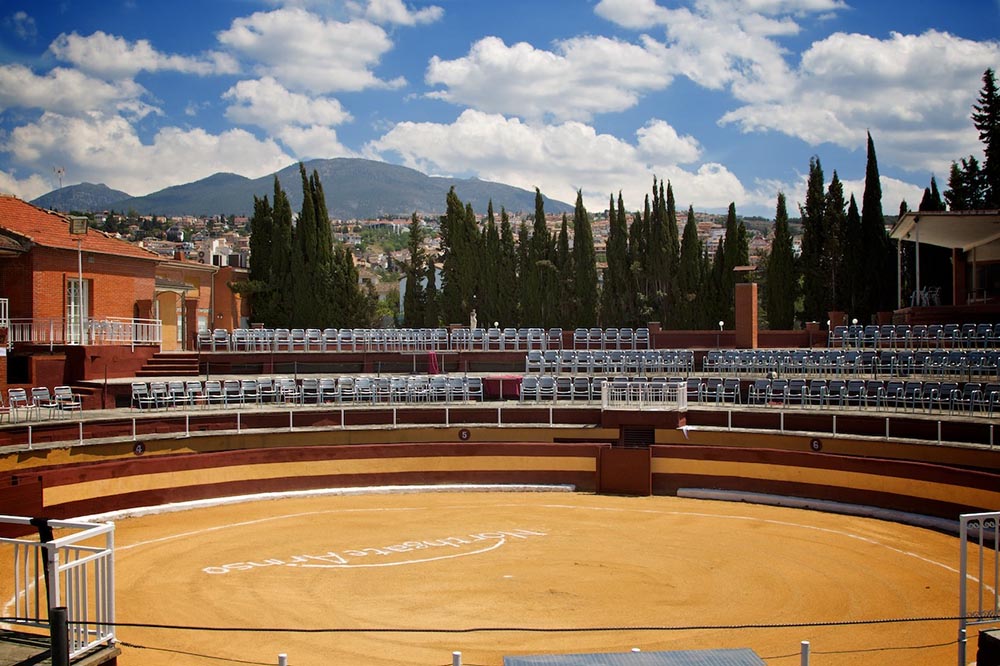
<point x="963" y="230"/>
<point x="725" y="657"/>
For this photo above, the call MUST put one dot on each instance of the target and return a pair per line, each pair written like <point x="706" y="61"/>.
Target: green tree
<point x="854" y="273"/>
<point x="415" y="294"/>
<point x="460" y="260"/>
<point x="834" y="230"/>
<point x="814" y="280"/>
<point x="508" y="304"/>
<point x="584" y="266"/>
<point x="261" y="232"/>
<point x="966" y="186"/>
<point x="492" y="258"/>
<point x="986" y="118"/>
<point x="432" y="302"/>
<point x="540" y="293"/>
<point x="614" y="296"/>
<point x="282" y="284"/>
<point x="564" y="268"/>
<point x="689" y="275"/>
<point x="781" y="281"/>
<point x="879" y="287"/>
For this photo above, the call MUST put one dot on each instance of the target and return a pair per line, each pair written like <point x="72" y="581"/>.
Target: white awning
<point x="962" y="230"/>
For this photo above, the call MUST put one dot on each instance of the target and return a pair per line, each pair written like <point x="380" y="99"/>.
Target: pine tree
<point x="584" y="264"/>
<point x="689" y="283"/>
<point x="781" y="281"/>
<point x="966" y="186"/>
<point x="415" y="295"/>
<point x="986" y="118"/>
<point x="814" y="280"/>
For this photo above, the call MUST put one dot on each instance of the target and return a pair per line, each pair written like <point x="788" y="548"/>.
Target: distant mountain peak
<point x="355" y="188"/>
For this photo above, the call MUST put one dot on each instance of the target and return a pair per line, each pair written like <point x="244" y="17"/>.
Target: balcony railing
<point x="57" y="331"/>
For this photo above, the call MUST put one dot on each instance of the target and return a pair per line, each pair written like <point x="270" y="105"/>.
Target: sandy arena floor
<point x="530" y="560"/>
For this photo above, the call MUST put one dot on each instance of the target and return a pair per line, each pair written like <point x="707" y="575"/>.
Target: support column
<point x="746" y="315"/>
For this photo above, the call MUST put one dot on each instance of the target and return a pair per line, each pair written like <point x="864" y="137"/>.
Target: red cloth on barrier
<point x="432" y="363"/>
<point x="502" y="386"/>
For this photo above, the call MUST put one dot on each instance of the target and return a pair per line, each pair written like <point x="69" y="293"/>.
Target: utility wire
<point x="523" y="629"/>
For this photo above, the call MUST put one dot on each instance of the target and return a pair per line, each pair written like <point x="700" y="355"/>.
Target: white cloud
<point x="308" y="52"/>
<point x="266" y="103"/>
<point x="27" y="189"/>
<point x="581" y="77"/>
<point x="914" y="92"/>
<point x="114" y="57"/>
<point x="313" y="142"/>
<point x="107" y="149"/>
<point x="66" y="91"/>
<point x="765" y="193"/>
<point x="394" y="11"/>
<point x="559" y="159"/>
<point x="24" y="26"/>
<point x="660" y="143"/>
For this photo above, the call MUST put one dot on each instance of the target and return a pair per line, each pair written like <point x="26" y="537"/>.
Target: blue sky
<point x="727" y="99"/>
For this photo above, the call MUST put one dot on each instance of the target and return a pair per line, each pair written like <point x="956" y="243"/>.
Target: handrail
<point x="53" y="331"/>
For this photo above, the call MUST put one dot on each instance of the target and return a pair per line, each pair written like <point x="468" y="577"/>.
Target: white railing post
<point x="805" y="653"/>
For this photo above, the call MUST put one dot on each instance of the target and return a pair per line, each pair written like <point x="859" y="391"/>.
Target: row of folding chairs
<point x="637" y="362"/>
<point x="582" y="388"/>
<point x="920" y="336"/>
<point x="899" y="363"/>
<point x="39" y="402"/>
<point x="417" y="339"/>
<point x="972" y="397"/>
<point x="307" y="391"/>
<point x="611" y="338"/>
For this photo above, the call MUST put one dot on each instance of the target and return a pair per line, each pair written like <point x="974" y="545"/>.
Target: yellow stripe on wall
<point x="826" y="477"/>
<point x="198" y="477"/>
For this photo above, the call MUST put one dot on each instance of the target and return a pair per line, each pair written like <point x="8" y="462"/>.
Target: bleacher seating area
<point x="418" y="339"/>
<point x="903" y="336"/>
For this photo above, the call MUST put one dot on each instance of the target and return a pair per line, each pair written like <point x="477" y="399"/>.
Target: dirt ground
<point x="551" y="561"/>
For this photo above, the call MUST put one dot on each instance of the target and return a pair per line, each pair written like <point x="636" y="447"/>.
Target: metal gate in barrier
<point x="75" y="571"/>
<point x="979" y="590"/>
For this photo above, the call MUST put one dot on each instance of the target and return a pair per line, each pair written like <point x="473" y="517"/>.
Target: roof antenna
<point x="59" y="171"/>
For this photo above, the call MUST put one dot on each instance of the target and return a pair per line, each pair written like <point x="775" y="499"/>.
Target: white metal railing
<point x="644" y="395"/>
<point x="80" y="578"/>
<point x="54" y="331"/>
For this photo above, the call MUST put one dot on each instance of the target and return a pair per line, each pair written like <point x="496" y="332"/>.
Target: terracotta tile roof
<point x="52" y="230"/>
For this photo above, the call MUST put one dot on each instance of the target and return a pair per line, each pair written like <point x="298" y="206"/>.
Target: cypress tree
<point x="877" y="252"/>
<point x="304" y="259"/>
<point x="854" y="273"/>
<point x="525" y="305"/>
<point x="540" y="291"/>
<point x="261" y="232"/>
<point x="781" y="281"/>
<point x="507" y="279"/>
<point x="564" y="268"/>
<point x="432" y="301"/>
<point x="281" y="260"/>
<point x="689" y="275"/>
<point x="415" y="294"/>
<point x="834" y="230"/>
<point x="986" y="118"/>
<point x="671" y="256"/>
<point x="458" y="250"/>
<point x="584" y="264"/>
<point x="814" y="280"/>
<point x="616" y="275"/>
<point x="489" y="281"/>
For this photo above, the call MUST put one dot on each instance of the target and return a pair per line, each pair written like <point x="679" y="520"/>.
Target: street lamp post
<point x="718" y="336"/>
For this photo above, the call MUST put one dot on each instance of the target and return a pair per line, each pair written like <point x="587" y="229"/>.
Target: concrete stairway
<point x="170" y="364"/>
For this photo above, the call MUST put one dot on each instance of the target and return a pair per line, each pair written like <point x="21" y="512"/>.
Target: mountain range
<point x="355" y="189"/>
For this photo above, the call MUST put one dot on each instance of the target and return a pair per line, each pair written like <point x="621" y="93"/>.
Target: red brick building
<point x="51" y="309"/>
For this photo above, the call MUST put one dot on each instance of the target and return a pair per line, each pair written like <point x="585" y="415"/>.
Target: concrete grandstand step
<point x="179" y="364"/>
